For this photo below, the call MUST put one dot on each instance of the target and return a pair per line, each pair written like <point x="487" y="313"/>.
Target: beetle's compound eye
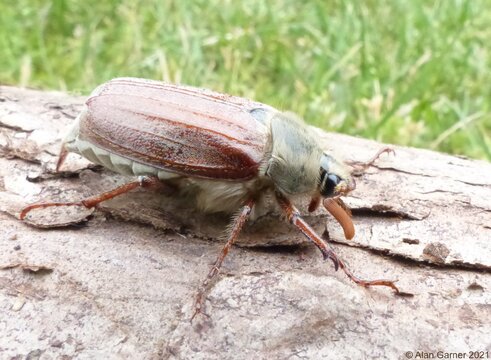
<point x="328" y="183"/>
<point x="327" y="180"/>
<point x="334" y="177"/>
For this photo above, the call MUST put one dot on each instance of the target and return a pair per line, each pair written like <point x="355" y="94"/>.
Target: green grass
<point x="412" y="72"/>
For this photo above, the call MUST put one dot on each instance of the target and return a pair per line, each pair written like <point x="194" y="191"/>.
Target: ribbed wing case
<point x="190" y="131"/>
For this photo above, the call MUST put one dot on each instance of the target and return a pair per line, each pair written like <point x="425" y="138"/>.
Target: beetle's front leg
<point x="293" y="216"/>
<point x="359" y="167"/>
<point x="92" y="201"/>
<point x="61" y="157"/>
<point x="238" y="223"/>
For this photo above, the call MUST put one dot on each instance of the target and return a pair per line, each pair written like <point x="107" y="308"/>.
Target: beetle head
<point x="335" y="178"/>
<point x="294" y="160"/>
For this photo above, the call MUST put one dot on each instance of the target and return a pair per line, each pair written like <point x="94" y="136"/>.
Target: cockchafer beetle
<point x="226" y="150"/>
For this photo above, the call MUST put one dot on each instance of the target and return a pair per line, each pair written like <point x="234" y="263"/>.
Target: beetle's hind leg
<point x="359" y="167"/>
<point x="92" y="201"/>
<point x="237" y="225"/>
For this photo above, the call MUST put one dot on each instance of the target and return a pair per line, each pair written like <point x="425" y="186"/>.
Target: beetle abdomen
<point x="177" y="129"/>
<point x="107" y="159"/>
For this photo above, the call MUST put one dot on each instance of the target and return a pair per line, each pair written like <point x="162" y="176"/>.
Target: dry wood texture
<point x="123" y="277"/>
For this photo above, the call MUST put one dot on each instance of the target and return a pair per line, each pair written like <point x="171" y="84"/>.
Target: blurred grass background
<point x="407" y="72"/>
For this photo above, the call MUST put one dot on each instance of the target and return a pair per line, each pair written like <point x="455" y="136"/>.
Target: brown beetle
<point x="225" y="150"/>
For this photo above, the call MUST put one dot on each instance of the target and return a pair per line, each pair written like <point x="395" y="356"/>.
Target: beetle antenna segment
<point x="337" y="208"/>
<point x="92" y="201"/>
<point x="294" y="217"/>
<point x="238" y="223"/>
<point x="345" y="207"/>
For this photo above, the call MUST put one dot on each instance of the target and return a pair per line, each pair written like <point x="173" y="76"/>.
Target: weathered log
<point x="119" y="287"/>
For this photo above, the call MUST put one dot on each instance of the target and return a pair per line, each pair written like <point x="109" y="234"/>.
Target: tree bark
<point x="121" y="280"/>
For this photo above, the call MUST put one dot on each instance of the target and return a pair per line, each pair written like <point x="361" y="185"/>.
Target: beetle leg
<point x="359" y="167"/>
<point x="61" y="157"/>
<point x="92" y="201"/>
<point x="314" y="203"/>
<point x="293" y="216"/>
<point x="367" y="283"/>
<point x="215" y="269"/>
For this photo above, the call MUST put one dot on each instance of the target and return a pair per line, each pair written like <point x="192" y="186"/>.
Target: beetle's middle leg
<point x="293" y="216"/>
<point x="92" y="201"/>
<point x="215" y="269"/>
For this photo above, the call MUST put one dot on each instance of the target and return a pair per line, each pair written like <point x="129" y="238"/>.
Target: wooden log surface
<point x="119" y="282"/>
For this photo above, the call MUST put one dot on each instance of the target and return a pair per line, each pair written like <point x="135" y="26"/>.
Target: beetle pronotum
<point x="227" y="151"/>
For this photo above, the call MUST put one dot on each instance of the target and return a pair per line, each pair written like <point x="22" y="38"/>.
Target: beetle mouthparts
<point x="345" y="187"/>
